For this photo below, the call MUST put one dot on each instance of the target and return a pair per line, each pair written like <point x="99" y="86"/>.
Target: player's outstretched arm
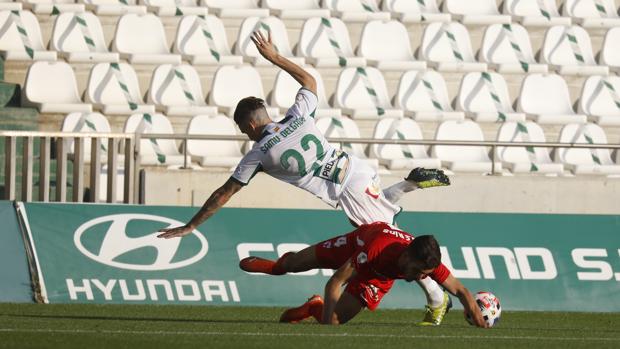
<point x="217" y="199"/>
<point x="333" y="291"/>
<point x="454" y="286"/>
<point x="268" y="50"/>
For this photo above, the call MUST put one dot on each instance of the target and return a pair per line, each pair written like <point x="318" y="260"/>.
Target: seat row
<point x="589" y="13"/>
<point x="395" y="157"/>
<point x="176" y="90"/>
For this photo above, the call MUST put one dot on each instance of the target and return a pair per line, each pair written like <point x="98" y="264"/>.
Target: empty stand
<point x="585" y="161"/>
<point x="285" y="88"/>
<point x="484" y="97"/>
<point x="20" y="37"/>
<point x="475" y="12"/>
<point x="545" y="99"/>
<point x="273" y="25"/>
<point x="343" y="127"/>
<point x="175" y="7"/>
<point x="408" y="11"/>
<point x="447" y="47"/>
<point x="592" y="13"/>
<point x="610" y="53"/>
<point x="235" y="8"/>
<point x="213" y="153"/>
<point x="48" y="7"/>
<point x="88" y="123"/>
<point x="154" y="151"/>
<point x="78" y="37"/>
<point x="324" y="42"/>
<point x="535" y="13"/>
<point x="298" y="9"/>
<point x="600" y="100"/>
<point x="569" y="50"/>
<point x="507" y="49"/>
<point x="141" y="39"/>
<point x="355" y="10"/>
<point x="114" y="7"/>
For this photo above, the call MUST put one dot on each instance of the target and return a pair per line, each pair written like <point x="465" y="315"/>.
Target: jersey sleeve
<point x="248" y="167"/>
<point x="440" y="274"/>
<point x="305" y="103"/>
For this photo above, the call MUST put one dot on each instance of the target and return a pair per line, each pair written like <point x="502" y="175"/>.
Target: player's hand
<point x="478" y="319"/>
<point x="174" y="232"/>
<point x="265" y="46"/>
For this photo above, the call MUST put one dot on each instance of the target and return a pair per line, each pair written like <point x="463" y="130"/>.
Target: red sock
<point x="278" y="268"/>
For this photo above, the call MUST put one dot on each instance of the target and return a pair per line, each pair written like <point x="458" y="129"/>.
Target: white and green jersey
<point x="296" y="152"/>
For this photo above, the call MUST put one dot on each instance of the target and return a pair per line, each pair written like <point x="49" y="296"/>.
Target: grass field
<point x="137" y="326"/>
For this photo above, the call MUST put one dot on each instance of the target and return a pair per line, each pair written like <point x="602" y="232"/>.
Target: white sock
<point x="434" y="293"/>
<point x="396" y="191"/>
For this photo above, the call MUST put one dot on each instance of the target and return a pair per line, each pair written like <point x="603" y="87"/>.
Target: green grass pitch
<point x="144" y="326"/>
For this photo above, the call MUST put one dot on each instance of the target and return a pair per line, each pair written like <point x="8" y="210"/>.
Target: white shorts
<point x="362" y="198"/>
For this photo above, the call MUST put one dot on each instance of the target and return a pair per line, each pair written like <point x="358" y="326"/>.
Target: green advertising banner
<point x="14" y="275"/>
<point x="110" y="254"/>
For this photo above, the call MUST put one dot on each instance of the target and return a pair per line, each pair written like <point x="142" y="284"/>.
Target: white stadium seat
<point x="408" y="11"/>
<point x="545" y="99"/>
<point x="343" y="127"/>
<point x="484" y="97"/>
<point x="14" y="46"/>
<point x="235" y="8"/>
<point x="458" y="157"/>
<point x="87" y="123"/>
<point x="569" y="50"/>
<point x="10" y="5"/>
<point x="475" y="12"/>
<point x="522" y="159"/>
<point x="298" y="9"/>
<point x="114" y="7"/>
<point x="507" y="49"/>
<point x="610" y="53"/>
<point x="424" y="97"/>
<point x="385" y="45"/>
<point x="141" y="39"/>
<point x="362" y="94"/>
<point x="600" y="100"/>
<point x="51" y="88"/>
<point x="592" y="13"/>
<point x="49" y="7"/>
<point x="447" y="47"/>
<point x="165" y="8"/>
<point x="246" y="48"/>
<point x="176" y="90"/>
<point x="319" y="50"/>
<point x="78" y="37"/>
<point x="285" y="88"/>
<point x="114" y="90"/>
<point x="203" y="41"/>
<point x="155" y="151"/>
<point x="232" y="83"/>
<point x="582" y="160"/>
<point x="401" y="157"/>
<point x="213" y="153"/>
<point x="530" y="13"/>
<point x="355" y="10"/>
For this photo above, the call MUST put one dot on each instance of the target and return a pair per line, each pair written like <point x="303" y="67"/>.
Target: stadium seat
<point x="385" y="45"/>
<point x="362" y="94"/>
<point x="401" y="157"/>
<point x="176" y="90"/>
<point x="479" y="12"/>
<point x="545" y="99"/>
<point x="408" y="11"/>
<point x="213" y="153"/>
<point x="324" y="42"/>
<point x="355" y="10"/>
<point x="343" y="127"/>
<point x="600" y="100"/>
<point x="154" y="151"/>
<point x="49" y="7"/>
<point x="582" y="160"/>
<point x="165" y="8"/>
<point x="298" y="9"/>
<point x="235" y="8"/>
<point x="525" y="159"/>
<point x="424" y="97"/>
<point x="530" y="13"/>
<point x="141" y="39"/>
<point x="203" y="41"/>
<point x="569" y="50"/>
<point x="285" y="88"/>
<point x="507" y="49"/>
<point x="447" y="47"/>
<point x="484" y="97"/>
<point x="16" y="46"/>
<point x="232" y="83"/>
<point x="114" y="7"/>
<point x="114" y="90"/>
<point x="246" y="48"/>
<point x="78" y="37"/>
<point x="86" y="122"/>
<point x="592" y="13"/>
<point x="10" y="5"/>
<point x="610" y="53"/>
<point x="51" y="88"/>
<point x="458" y="157"/>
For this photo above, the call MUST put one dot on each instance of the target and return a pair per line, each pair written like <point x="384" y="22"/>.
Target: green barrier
<point x="109" y="254"/>
<point x="15" y="283"/>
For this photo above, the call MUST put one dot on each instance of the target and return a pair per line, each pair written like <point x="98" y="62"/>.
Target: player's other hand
<point x="174" y="232"/>
<point x="264" y="45"/>
<point x="478" y="319"/>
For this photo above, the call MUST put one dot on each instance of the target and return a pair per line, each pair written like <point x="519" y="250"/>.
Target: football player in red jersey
<point x="368" y="260"/>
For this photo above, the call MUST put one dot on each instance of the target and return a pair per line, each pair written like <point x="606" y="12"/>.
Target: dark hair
<point x="425" y="249"/>
<point x="246" y="107"/>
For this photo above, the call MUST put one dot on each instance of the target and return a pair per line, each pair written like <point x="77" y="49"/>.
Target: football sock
<point x="278" y="268"/>
<point x="394" y="192"/>
<point x="434" y="293"/>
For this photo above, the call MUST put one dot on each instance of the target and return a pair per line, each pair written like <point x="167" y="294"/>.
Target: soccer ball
<point x="489" y="307"/>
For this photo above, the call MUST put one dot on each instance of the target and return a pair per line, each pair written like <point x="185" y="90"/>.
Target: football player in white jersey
<point x="293" y="150"/>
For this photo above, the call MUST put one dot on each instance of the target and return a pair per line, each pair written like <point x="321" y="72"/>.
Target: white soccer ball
<point x="489" y="307"/>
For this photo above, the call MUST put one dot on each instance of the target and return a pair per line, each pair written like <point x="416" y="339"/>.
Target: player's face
<point x="413" y="270"/>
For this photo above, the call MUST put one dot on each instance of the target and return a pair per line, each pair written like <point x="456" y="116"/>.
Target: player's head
<point x="420" y="258"/>
<point x="251" y="115"/>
